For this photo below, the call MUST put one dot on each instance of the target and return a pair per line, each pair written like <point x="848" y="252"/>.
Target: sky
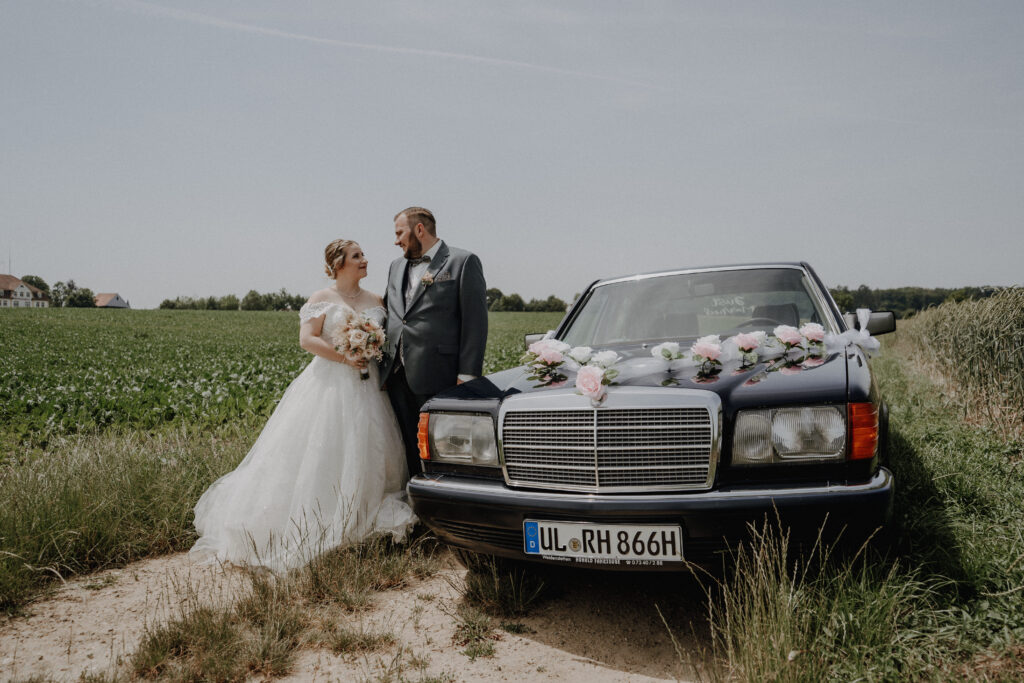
<point x="165" y="148"/>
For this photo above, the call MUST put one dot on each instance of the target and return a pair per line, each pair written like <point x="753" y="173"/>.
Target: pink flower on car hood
<point x="789" y="335"/>
<point x="588" y="381"/>
<point x="813" y="331"/>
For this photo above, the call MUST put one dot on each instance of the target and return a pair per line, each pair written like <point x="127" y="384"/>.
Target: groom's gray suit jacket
<point x="442" y="332"/>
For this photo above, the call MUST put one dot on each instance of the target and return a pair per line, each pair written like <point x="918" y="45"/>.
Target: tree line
<point x="283" y="301"/>
<point x="498" y="301"/>
<point x="904" y="301"/>
<point x="253" y="301"/>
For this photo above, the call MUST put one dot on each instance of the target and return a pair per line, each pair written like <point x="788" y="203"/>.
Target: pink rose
<point x="538" y="347"/>
<point x="789" y="335"/>
<point x="790" y="370"/>
<point x="813" y="331"/>
<point x="706" y="349"/>
<point x="549" y="355"/>
<point x="588" y="381"/>
<point x="813" y="362"/>
<point x="746" y="341"/>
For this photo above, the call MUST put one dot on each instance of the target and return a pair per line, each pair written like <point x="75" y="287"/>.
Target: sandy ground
<point x="593" y="627"/>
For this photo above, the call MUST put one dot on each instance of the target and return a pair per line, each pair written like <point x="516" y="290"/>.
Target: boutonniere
<point x="427" y="280"/>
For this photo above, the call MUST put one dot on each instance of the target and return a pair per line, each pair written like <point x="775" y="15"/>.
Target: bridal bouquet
<point x="358" y="338"/>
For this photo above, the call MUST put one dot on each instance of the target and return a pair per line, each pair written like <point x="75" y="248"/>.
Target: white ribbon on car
<point x="861" y="337"/>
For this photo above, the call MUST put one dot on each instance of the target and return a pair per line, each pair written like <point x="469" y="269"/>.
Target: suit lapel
<point x="436" y="264"/>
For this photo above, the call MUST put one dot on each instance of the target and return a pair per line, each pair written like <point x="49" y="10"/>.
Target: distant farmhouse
<point x="17" y="294"/>
<point x="112" y="300"/>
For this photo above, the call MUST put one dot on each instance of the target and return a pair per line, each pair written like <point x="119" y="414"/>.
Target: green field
<point x="80" y="370"/>
<point x="112" y="423"/>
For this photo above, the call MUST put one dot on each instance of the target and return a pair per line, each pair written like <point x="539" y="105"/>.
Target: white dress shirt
<point x="417" y="271"/>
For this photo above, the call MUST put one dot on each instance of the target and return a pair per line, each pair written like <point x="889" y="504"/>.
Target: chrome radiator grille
<point x="602" y="450"/>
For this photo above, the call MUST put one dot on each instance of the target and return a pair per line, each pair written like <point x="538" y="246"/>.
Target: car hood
<point x="804" y="380"/>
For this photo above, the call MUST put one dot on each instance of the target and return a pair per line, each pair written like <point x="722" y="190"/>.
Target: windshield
<point x="691" y="305"/>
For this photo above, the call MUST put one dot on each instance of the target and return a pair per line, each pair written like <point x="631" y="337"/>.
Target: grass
<point x="505" y="333"/>
<point x="349" y="576"/>
<point x="91" y="479"/>
<point x="259" y="633"/>
<point x="979" y="347"/>
<point x="940" y="597"/>
<point x="474" y="630"/>
<point x="98" y="501"/>
<point x="347" y="640"/>
<point x="500" y="588"/>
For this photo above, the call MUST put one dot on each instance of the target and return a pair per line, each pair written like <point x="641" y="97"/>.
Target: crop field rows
<point x="76" y="370"/>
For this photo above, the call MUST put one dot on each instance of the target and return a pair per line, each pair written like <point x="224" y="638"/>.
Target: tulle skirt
<point x="327" y="470"/>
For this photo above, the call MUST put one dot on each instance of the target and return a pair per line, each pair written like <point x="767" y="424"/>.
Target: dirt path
<point x="595" y="627"/>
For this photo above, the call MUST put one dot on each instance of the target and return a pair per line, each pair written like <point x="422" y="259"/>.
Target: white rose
<point x="604" y="359"/>
<point x="666" y="350"/>
<point x="580" y="354"/>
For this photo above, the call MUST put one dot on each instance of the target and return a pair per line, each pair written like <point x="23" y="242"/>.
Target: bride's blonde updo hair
<point x="334" y="256"/>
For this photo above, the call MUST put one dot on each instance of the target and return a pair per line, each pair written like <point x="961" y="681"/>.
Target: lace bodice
<point x="333" y="308"/>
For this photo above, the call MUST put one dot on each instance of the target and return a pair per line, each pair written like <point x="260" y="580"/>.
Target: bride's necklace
<point x="351" y="296"/>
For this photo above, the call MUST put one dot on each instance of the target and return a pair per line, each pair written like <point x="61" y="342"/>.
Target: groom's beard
<point x="415" y="248"/>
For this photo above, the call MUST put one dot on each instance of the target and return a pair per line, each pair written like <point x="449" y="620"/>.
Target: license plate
<point x="591" y="543"/>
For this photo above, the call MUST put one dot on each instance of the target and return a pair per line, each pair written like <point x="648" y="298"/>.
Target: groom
<point x="437" y="321"/>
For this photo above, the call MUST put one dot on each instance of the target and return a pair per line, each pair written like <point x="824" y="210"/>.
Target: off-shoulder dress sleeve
<point x="313" y="310"/>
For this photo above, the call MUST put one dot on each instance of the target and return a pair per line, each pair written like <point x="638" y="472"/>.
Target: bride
<point x="329" y="467"/>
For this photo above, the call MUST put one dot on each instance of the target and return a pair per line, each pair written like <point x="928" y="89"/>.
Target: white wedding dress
<point x="328" y="469"/>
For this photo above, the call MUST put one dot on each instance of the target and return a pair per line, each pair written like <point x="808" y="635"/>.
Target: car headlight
<point x="462" y="438"/>
<point x="789" y="435"/>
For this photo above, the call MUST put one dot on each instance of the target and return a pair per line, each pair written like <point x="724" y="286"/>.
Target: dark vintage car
<point x="679" y="456"/>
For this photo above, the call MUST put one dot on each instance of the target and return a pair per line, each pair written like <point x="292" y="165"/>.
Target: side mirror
<point x="881" y="322"/>
<point x="535" y="337"/>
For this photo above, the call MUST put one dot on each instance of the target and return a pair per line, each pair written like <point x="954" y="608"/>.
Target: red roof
<point x="10" y="282"/>
<point x="104" y="299"/>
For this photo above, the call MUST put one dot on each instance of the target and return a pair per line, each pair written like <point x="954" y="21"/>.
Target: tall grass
<point x="822" y="616"/>
<point x="979" y="347"/>
<point x="104" y="500"/>
<point x="499" y="587"/>
<point x="941" y="598"/>
<point x="259" y="632"/>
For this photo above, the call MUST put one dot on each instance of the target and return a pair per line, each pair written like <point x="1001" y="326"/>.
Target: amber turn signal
<point x="421" y="436"/>
<point x="863" y="421"/>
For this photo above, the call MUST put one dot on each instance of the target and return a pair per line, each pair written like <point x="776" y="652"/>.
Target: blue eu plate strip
<point x="531" y="533"/>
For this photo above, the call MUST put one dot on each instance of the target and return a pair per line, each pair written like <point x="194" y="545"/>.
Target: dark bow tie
<point x="417" y="261"/>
